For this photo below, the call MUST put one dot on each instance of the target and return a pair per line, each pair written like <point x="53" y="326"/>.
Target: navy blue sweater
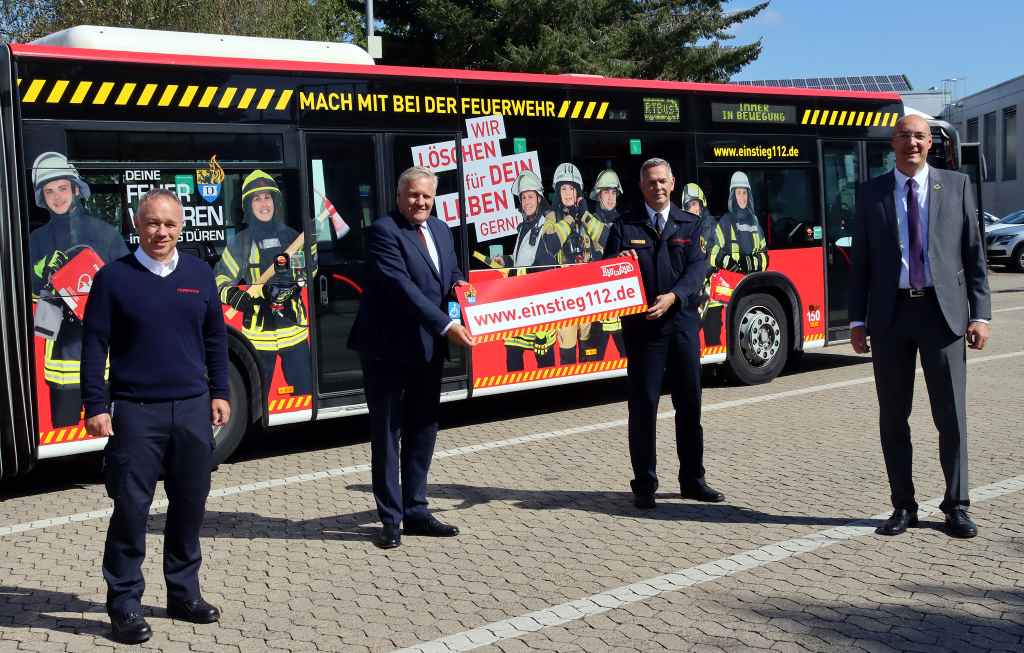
<point x="165" y="335"/>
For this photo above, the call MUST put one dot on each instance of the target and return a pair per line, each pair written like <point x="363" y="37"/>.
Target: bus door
<point x="841" y="171"/>
<point x="352" y="182"/>
<point x="18" y="443"/>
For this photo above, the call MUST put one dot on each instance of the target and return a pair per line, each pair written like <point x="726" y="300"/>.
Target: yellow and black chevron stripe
<point x="708" y="351"/>
<point x="139" y="94"/>
<point x="582" y="109"/>
<point x="814" y="337"/>
<point x="550" y="326"/>
<point x="849" y="118"/>
<point x="67" y="434"/>
<point x="291" y="404"/>
<point x="548" y="373"/>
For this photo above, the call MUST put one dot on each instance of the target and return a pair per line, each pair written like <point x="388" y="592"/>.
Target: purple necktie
<point x="916" y="232"/>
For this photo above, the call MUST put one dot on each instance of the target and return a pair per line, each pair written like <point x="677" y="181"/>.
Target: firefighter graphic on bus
<point x="65" y="254"/>
<point x="261" y="275"/>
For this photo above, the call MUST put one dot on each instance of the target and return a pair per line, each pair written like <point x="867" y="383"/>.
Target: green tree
<point x="650" y="39"/>
<point x="312" y="20"/>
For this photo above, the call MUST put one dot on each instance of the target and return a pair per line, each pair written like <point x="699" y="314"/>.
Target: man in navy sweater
<point x="158" y="316"/>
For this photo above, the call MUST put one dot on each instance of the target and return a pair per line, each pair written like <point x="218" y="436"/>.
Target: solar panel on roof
<point x="875" y="83"/>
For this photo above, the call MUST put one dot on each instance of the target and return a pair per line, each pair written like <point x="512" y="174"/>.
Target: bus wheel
<point x="227" y="438"/>
<point x="759" y="344"/>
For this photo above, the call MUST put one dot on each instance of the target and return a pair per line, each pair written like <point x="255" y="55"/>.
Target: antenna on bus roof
<point x="221" y="45"/>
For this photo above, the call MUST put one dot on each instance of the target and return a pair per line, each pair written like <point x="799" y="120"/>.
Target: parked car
<point x="1008" y="220"/>
<point x="1005" y="245"/>
<point x="989" y="219"/>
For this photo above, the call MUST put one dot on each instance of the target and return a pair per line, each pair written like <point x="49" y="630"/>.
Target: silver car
<point x="1005" y="244"/>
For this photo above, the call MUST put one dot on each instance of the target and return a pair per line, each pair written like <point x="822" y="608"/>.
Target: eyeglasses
<point x="920" y="137"/>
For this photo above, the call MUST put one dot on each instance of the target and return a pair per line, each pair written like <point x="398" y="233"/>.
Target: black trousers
<point x="599" y="341"/>
<point x="514" y="358"/>
<point x="650" y="356"/>
<point x="404" y="402"/>
<point x="176" y="437"/>
<point x="920" y="327"/>
<point x="296" y="365"/>
<point x="65" y="404"/>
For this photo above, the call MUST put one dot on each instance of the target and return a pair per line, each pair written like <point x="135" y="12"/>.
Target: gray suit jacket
<point x="956" y="252"/>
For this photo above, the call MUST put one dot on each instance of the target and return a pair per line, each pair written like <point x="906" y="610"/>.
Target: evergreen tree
<point x="649" y="39"/>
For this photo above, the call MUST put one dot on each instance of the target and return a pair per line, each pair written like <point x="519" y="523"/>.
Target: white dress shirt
<point x="431" y="247"/>
<point x="432" y="251"/>
<point x="155" y="266"/>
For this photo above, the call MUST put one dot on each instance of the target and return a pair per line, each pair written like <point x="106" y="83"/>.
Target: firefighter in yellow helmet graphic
<point x="606" y="193"/>
<point x="64" y="253"/>
<point x="274" y="318"/>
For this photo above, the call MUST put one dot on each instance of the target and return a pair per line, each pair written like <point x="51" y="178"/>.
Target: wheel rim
<point x="1020" y="259"/>
<point x="760" y="336"/>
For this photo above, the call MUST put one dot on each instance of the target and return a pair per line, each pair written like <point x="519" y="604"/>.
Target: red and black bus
<point x="117" y="112"/>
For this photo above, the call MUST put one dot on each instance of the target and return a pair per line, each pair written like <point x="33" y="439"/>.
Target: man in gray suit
<point x="919" y="284"/>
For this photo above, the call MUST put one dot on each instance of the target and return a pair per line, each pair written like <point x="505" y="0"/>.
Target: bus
<point x="316" y="134"/>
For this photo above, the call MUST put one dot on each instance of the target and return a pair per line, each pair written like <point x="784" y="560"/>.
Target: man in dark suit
<point x="401" y="333"/>
<point x="919" y="284"/>
<point x="665" y="241"/>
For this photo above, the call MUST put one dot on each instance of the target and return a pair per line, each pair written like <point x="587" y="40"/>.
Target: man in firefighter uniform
<point x="606" y="193"/>
<point x="274" y="317"/>
<point x="664" y="241"/>
<point x="740" y="245"/>
<point x="695" y="202"/>
<point x="534" y="247"/>
<point x="71" y="238"/>
<point x="581" y="238"/>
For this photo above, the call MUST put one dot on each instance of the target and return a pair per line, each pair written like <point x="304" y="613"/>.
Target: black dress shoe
<point x="702" y="492"/>
<point x="430" y="527"/>
<point x="899" y="521"/>
<point x="129" y="628"/>
<point x="196" y="611"/>
<point x="389" y="537"/>
<point x="644" y="501"/>
<point x="960" y="524"/>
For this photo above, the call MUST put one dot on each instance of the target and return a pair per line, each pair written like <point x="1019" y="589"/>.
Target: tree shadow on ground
<point x="890" y="624"/>
<point x="361" y="526"/>
<point x="23" y="607"/>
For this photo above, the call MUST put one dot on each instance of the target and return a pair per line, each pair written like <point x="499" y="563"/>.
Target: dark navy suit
<point x="398" y="333"/>
<point x="669" y="262"/>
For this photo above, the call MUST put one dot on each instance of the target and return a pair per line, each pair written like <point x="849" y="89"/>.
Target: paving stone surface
<point x="553" y="556"/>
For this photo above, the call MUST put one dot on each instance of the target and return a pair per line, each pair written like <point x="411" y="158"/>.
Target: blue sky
<point x="980" y="42"/>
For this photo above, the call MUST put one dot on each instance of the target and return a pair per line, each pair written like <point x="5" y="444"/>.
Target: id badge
<point x="455" y="312"/>
<point x="48" y="319"/>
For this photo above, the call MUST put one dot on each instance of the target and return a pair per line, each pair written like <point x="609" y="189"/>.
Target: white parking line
<point x="618" y="597"/>
<point x="161" y="505"/>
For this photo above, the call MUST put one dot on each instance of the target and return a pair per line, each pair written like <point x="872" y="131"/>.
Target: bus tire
<point x="227" y="438"/>
<point x="759" y="345"/>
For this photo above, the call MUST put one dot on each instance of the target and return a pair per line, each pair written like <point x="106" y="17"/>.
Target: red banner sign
<point x="578" y="294"/>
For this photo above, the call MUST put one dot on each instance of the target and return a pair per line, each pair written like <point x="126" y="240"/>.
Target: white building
<point x="989" y="117"/>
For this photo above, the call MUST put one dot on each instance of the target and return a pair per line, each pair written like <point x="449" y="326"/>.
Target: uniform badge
<point x="638" y="242"/>
<point x="210" y="180"/>
<point x="937" y="187"/>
